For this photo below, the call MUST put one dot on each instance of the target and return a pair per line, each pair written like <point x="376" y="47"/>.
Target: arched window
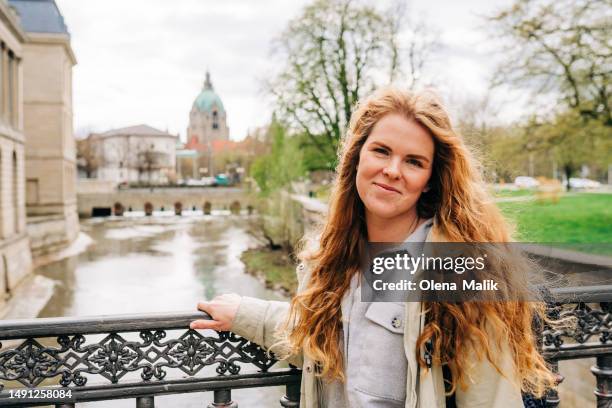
<point x="215" y="124"/>
<point x="11" y="87"/>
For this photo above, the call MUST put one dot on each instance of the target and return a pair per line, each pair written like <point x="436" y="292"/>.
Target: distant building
<point x="207" y="119"/>
<point x="134" y="154"/>
<point x="226" y="156"/>
<point x="207" y="125"/>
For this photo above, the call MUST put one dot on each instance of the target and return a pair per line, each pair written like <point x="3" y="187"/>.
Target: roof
<point x="208" y="99"/>
<point x="40" y="16"/>
<point x="219" y="146"/>
<point x="138" y="130"/>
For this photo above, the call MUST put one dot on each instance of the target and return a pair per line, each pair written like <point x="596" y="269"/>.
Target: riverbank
<point x="274" y="267"/>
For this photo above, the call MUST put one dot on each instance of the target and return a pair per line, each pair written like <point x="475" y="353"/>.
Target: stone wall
<point x="15" y="264"/>
<point x="95" y="186"/>
<point x="51" y="233"/>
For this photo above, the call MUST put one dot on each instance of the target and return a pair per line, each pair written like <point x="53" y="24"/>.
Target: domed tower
<point x="208" y="119"/>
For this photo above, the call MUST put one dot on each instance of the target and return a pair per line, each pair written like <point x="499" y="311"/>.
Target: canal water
<point x="163" y="263"/>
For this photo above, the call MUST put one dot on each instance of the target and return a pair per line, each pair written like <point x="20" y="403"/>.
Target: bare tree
<point x="335" y="52"/>
<point x="148" y="161"/>
<point x="561" y="47"/>
<point x="88" y="157"/>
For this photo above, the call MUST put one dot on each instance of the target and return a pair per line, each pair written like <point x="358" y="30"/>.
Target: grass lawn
<point x="513" y="193"/>
<point x="583" y="220"/>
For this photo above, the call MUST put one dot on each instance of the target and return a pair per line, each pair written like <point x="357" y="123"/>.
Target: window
<point x="11" y="87"/>
<point x="215" y="124"/>
<point x="1" y="203"/>
<point x="14" y="194"/>
<point x="2" y="52"/>
<point x="31" y="191"/>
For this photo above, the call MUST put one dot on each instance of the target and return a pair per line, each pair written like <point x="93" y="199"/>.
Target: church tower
<point x="207" y="119"/>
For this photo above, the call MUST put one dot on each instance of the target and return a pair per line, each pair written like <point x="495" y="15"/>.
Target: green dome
<point x="207" y="99"/>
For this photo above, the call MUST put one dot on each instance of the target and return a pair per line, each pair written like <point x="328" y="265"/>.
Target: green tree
<point x="336" y="51"/>
<point x="283" y="164"/>
<point x="572" y="141"/>
<point x="561" y="48"/>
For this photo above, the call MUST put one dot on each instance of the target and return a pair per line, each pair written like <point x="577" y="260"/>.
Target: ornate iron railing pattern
<point x="71" y="359"/>
<point x="68" y="362"/>
<point x="587" y="333"/>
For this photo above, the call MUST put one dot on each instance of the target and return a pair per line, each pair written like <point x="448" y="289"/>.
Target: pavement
<point x="29" y="298"/>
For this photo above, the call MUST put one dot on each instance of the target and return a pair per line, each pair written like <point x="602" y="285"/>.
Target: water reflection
<point x="158" y="264"/>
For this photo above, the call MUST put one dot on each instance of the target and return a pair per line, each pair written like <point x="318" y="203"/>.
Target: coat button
<point x="301" y="266"/>
<point x="396" y="322"/>
<point x="308" y="369"/>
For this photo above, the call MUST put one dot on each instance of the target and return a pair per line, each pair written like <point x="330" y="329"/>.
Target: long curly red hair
<point x="462" y="210"/>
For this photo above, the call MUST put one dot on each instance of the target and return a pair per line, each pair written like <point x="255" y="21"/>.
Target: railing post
<point x="603" y="373"/>
<point x="145" y="402"/>
<point x="223" y="399"/>
<point x="552" y="397"/>
<point x="292" y="399"/>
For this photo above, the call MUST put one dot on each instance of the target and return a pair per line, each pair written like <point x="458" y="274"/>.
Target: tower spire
<point x="208" y="84"/>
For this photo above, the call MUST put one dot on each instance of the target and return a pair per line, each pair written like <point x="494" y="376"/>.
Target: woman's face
<point x="394" y="168"/>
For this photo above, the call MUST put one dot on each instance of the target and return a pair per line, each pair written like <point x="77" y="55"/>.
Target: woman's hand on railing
<point x="222" y="309"/>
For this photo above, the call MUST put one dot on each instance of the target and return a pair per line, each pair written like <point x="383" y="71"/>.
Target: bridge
<point x="132" y="355"/>
<point x="96" y="200"/>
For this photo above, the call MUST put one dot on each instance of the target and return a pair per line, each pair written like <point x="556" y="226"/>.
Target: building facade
<point x="135" y="154"/>
<point x="15" y="255"/>
<point x="50" y="162"/>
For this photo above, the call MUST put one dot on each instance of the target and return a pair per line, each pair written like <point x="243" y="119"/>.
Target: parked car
<point x="222" y="180"/>
<point x="209" y="181"/>
<point x="583" y="183"/>
<point x="526" y="182"/>
<point x="196" y="182"/>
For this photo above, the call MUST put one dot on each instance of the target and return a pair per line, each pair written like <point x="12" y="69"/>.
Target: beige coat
<point x="257" y="320"/>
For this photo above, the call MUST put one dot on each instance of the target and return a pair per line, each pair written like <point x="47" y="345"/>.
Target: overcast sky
<point x="144" y="61"/>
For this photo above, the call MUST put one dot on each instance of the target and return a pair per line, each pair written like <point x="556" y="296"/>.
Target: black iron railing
<point x="133" y="355"/>
<point x="588" y="333"/>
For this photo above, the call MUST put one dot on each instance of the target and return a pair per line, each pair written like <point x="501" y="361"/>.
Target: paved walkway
<point x="568" y="255"/>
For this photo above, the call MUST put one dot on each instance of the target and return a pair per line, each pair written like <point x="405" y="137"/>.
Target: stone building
<point x="135" y="154"/>
<point x="207" y="119"/>
<point x="15" y="256"/>
<point x="50" y="162"/>
<point x="207" y="126"/>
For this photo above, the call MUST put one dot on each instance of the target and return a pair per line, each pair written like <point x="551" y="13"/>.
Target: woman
<point x="404" y="175"/>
